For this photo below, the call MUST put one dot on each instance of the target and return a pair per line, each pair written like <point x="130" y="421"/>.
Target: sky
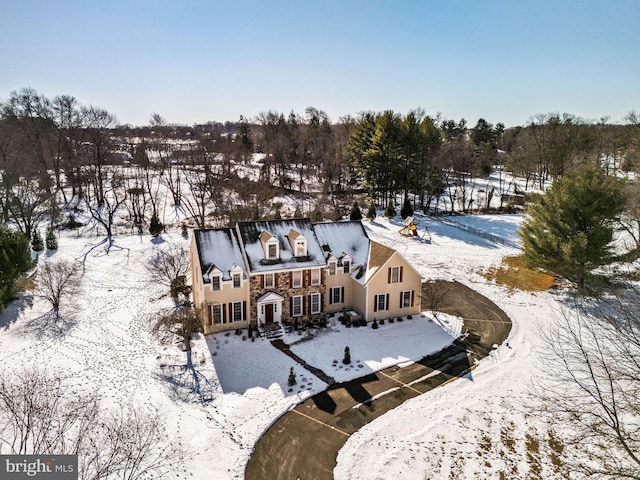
<point x="199" y="61"/>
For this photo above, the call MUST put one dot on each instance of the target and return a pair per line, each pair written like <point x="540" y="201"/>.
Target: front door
<point x="268" y="313"/>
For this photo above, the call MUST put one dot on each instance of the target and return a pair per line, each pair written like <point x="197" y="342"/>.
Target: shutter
<point x="224" y="312"/>
<point x="210" y="314"/>
<point x="262" y="277"/>
<point x="331" y="296"/>
<point x="231" y="319"/>
<point x="304" y="305"/>
<point x="322" y="274"/>
<point x="386" y="302"/>
<point x="400" y="300"/>
<point x="291" y="307"/>
<point x="244" y="310"/>
<point x="290" y="279"/>
<point x="412" y="298"/>
<point x="400" y="273"/>
<point x="305" y="278"/>
<point x="341" y="294"/>
<point x="375" y="303"/>
<point x="389" y="275"/>
<point x="321" y="302"/>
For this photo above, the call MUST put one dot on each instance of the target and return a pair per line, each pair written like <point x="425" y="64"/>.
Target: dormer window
<point x="332" y="267"/>
<point x="270" y="245"/>
<point x="216" y="282"/>
<point x="237" y="280"/>
<point x="272" y="250"/>
<point x="346" y="266"/>
<point x="298" y="243"/>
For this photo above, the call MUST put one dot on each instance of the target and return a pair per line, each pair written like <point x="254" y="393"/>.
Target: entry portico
<point x="270" y="308"/>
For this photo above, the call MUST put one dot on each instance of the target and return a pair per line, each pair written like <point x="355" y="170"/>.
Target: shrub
<point x="355" y="213"/>
<point x="347" y="356"/>
<point x="185" y="231"/>
<point x="390" y="211"/>
<point x="155" y="226"/>
<point x="52" y="239"/>
<point x="371" y="213"/>
<point x="37" y="245"/>
<point x="291" y="381"/>
<point x="374" y="325"/>
<point x="407" y="209"/>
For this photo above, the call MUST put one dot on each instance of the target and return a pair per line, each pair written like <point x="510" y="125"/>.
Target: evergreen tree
<point x="37" y="245"/>
<point x="347" y="356"/>
<point x="185" y="230"/>
<point x="390" y="211"/>
<point x="155" y="226"/>
<point x="15" y="261"/>
<point x="407" y="209"/>
<point x="570" y="228"/>
<point x="52" y="239"/>
<point x="292" y="378"/>
<point x="355" y="213"/>
<point x="371" y="213"/>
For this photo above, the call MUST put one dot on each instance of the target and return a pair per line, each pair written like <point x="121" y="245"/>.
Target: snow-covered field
<point x="472" y="428"/>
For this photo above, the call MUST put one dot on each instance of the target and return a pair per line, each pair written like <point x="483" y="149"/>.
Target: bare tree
<point x="590" y="384"/>
<point x="433" y="295"/>
<point x="41" y="415"/>
<point x="171" y="265"/>
<point x="57" y="281"/>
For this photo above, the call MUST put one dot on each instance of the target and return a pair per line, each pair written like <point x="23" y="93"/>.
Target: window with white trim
<point x="296" y="279"/>
<point x="215" y="283"/>
<point x="216" y="314"/>
<point x="301" y="248"/>
<point x="346" y="266"/>
<point x="296" y="306"/>
<point x="314" y="303"/>
<point x="332" y="267"/>
<point x="406" y="298"/>
<point x="382" y="302"/>
<point x="336" y="295"/>
<point x="237" y="312"/>
<point x="269" y="280"/>
<point x="315" y="276"/>
<point x="237" y="280"/>
<point x="395" y="275"/>
<point x="272" y="250"/>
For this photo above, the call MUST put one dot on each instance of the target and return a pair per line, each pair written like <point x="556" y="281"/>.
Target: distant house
<point x="292" y="272"/>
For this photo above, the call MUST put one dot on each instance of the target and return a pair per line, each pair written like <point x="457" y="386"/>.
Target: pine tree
<point x="407" y="209"/>
<point x="371" y="213"/>
<point x="292" y="378"/>
<point x="155" y="226"/>
<point x="390" y="211"/>
<point x="52" y="239"/>
<point x="15" y="260"/>
<point x="185" y="231"/>
<point x="37" y="245"/>
<point x="355" y="213"/>
<point x="347" y="356"/>
<point x="570" y="228"/>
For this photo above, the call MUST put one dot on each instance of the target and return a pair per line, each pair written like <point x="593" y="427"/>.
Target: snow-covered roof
<point x="218" y="248"/>
<point x="251" y="234"/>
<point x="345" y="238"/>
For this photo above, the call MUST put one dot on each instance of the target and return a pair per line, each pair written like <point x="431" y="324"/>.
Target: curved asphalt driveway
<point x="304" y="443"/>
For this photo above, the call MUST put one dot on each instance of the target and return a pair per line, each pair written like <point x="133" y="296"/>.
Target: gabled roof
<point x="250" y="237"/>
<point x="218" y="248"/>
<point x="340" y="238"/>
<point x="378" y="255"/>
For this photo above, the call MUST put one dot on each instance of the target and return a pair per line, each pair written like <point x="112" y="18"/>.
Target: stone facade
<point x="283" y="287"/>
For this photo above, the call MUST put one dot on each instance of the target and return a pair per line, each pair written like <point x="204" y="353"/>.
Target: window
<point x="237" y="280"/>
<point x="238" y="312"/>
<point x="346" y="265"/>
<point x="215" y="283"/>
<point x="268" y="280"/>
<point x="296" y="306"/>
<point x="406" y="299"/>
<point x="382" y="303"/>
<point x="272" y="250"/>
<point x="216" y="314"/>
<point x="296" y="279"/>
<point x="301" y="250"/>
<point x="332" y="267"/>
<point x="314" y="302"/>
<point x="315" y="276"/>
<point x="395" y="275"/>
<point x="336" y="295"/>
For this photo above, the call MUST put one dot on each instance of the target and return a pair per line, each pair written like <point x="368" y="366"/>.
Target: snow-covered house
<point x="293" y="272"/>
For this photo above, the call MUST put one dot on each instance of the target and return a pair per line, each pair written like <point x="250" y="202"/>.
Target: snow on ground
<point x="107" y="346"/>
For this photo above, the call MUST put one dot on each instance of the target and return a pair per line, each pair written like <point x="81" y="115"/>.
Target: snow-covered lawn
<point x="108" y="347"/>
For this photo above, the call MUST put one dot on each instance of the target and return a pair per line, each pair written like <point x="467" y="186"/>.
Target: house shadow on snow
<point x="14" y="310"/>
